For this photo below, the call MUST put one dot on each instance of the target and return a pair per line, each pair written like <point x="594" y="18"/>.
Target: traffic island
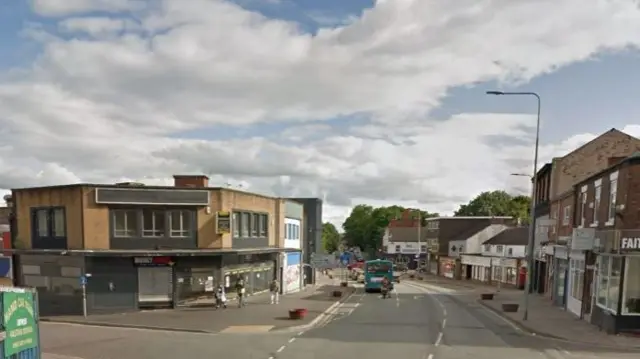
<point x="510" y="307"/>
<point x="487" y="296"/>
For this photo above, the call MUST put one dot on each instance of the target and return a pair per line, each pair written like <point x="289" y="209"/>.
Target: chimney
<point x="190" y="181"/>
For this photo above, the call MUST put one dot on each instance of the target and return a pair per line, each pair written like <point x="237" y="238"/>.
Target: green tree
<point x="497" y="203"/>
<point x="330" y="238"/>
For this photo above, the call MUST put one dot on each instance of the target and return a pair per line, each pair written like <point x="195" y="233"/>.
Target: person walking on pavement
<point x="274" y="288"/>
<point x="241" y="291"/>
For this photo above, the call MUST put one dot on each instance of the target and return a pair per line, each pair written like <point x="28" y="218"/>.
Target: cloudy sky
<point x="355" y="101"/>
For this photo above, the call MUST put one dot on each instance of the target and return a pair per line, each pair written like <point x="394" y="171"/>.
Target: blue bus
<point x="374" y="271"/>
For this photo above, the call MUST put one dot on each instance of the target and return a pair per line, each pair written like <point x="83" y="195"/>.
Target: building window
<point x="398" y="248"/>
<point x="631" y="292"/>
<point x="566" y="215"/>
<point x="264" y="223"/>
<point x="180" y="224"/>
<point x="236" y="224"/>
<point x="583" y="205"/>
<point x="153" y="223"/>
<point x="423" y="248"/>
<point x="609" y="269"/>
<point x="42" y="222"/>
<point x="499" y="249"/>
<point x="49" y="222"/>
<point x="613" y="193"/>
<point x="577" y="278"/>
<point x="255" y="223"/>
<point x="58" y="222"/>
<point x="125" y="223"/>
<point x="596" y="202"/>
<point x="510" y="251"/>
<point x="244" y="225"/>
<point x="487" y="248"/>
<point x="497" y="274"/>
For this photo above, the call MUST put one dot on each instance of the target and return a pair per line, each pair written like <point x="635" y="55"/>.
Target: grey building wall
<point x="312" y="235"/>
<point x="294" y="210"/>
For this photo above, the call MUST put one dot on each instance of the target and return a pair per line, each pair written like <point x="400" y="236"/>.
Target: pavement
<point x="258" y="315"/>
<point x="421" y="320"/>
<point x="544" y="318"/>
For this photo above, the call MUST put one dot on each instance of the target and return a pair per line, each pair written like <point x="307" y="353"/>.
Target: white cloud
<point x="70" y="7"/>
<point x="109" y="107"/>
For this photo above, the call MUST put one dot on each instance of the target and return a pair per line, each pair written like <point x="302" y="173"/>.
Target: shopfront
<point x="560" y="271"/>
<point x="257" y="271"/>
<point x="617" y="290"/>
<point x="505" y="270"/>
<point x="579" y="281"/>
<point x="476" y="268"/>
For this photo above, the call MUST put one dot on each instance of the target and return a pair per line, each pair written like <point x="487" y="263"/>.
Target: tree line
<point x="365" y="225"/>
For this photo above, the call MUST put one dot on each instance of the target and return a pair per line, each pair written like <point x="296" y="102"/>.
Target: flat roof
<point x="103" y="185"/>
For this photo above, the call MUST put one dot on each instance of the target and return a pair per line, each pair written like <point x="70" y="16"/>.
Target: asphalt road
<point x="415" y="323"/>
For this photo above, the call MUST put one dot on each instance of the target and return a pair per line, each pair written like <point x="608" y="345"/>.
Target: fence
<point x="20" y="324"/>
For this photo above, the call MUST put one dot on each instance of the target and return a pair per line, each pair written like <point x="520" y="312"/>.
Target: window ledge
<point x="593" y="225"/>
<point x="610" y="222"/>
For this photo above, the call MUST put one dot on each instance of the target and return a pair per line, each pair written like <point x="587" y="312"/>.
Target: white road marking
<point x="292" y="340"/>
<point x="430" y="356"/>
<point x="442" y="306"/>
<point x="397" y="299"/>
<point x="280" y="349"/>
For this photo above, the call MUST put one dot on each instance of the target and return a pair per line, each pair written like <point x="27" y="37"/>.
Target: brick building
<point x="566" y="172"/>
<point x="143" y="246"/>
<point x="607" y="221"/>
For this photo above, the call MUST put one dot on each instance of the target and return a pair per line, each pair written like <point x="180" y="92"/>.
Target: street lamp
<point x="532" y="222"/>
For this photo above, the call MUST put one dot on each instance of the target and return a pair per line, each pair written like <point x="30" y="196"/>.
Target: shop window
<point x="577" y="278"/>
<point x="153" y="223"/>
<point x="631" y="292"/>
<point x="609" y="270"/>
<point x="125" y="223"/>
<point x="497" y="274"/>
<point x="180" y="224"/>
<point x="511" y="275"/>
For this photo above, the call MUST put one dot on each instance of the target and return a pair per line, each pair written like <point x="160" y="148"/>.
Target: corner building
<point x="143" y="246"/>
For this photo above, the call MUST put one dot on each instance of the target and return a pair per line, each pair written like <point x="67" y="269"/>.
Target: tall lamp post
<point x="532" y="222"/>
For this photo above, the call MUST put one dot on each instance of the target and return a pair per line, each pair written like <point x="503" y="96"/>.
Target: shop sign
<point x="583" y="239"/>
<point x="20" y="326"/>
<point x="630" y="244"/>
<point x="223" y="222"/>
<point x="152" y="261"/>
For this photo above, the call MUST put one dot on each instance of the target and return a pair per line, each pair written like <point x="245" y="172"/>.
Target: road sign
<point x="83" y="280"/>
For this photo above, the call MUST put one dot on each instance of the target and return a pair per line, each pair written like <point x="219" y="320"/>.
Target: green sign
<point x="19" y="322"/>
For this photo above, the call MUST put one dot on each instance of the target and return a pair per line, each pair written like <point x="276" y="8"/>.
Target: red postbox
<point x="522" y="277"/>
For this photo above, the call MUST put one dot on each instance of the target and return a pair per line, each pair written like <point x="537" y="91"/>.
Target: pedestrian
<point x="240" y="290"/>
<point x="274" y="288"/>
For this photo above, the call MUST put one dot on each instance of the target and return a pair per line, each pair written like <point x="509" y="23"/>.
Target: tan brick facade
<point x="590" y="159"/>
<point x="88" y="223"/>
<point x="580" y="165"/>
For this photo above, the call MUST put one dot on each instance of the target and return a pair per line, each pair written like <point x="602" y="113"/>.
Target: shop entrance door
<point x="155" y="286"/>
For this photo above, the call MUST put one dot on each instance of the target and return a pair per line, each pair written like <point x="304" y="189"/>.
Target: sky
<point x="360" y="101"/>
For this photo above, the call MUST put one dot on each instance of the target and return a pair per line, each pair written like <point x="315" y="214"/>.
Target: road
<point x="415" y="323"/>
